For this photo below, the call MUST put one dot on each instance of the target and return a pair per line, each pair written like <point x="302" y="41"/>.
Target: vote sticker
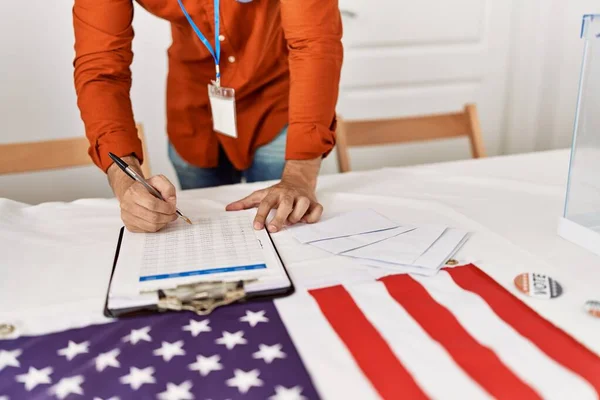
<point x="592" y="307"/>
<point x="538" y="285"/>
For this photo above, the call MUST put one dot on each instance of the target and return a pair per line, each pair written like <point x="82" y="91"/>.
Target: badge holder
<point x="222" y="104"/>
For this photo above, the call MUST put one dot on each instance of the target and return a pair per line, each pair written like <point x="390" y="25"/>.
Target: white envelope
<point x="347" y="224"/>
<point x="340" y="245"/>
<point x="433" y="259"/>
<point x="401" y="249"/>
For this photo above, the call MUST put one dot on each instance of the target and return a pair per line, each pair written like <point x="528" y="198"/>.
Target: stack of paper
<point x="379" y="242"/>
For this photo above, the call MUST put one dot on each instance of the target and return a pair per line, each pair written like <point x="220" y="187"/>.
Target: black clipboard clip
<point x="201" y="297"/>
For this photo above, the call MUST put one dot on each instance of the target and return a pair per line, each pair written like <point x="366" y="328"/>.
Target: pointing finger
<point x="247" y="202"/>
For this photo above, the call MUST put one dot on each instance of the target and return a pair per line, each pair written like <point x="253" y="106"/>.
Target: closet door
<point x="418" y="57"/>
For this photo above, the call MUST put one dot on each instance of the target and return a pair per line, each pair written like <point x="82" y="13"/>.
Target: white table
<point x="57" y="257"/>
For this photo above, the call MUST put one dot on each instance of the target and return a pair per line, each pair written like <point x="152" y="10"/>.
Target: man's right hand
<point x="140" y="211"/>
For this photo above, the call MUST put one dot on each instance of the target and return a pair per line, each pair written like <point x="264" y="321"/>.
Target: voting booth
<point x="580" y="222"/>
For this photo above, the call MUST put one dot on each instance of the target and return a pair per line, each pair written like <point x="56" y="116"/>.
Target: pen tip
<point x="186" y="219"/>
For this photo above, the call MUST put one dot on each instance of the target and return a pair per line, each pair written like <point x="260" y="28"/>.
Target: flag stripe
<point x="482" y="364"/>
<point x="331" y="365"/>
<point x="551" y="340"/>
<point x="369" y="349"/>
<point x="428" y="362"/>
<point x="516" y="352"/>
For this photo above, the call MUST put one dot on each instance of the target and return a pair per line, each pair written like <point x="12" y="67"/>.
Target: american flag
<point x="241" y="351"/>
<point x="457" y="335"/>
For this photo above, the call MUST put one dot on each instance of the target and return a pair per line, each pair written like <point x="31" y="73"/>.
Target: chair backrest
<point x="411" y="129"/>
<point x="54" y="154"/>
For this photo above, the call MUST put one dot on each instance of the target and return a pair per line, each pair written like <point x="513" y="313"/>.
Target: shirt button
<point x="221" y="38"/>
<point x="231" y="59"/>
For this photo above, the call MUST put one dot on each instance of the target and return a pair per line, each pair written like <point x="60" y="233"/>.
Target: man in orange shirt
<point x="283" y="59"/>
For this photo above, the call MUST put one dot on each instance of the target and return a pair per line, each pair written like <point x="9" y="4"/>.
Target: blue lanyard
<point x="217" y="52"/>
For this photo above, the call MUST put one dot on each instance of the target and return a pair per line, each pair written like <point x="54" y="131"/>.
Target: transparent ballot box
<point x="580" y="222"/>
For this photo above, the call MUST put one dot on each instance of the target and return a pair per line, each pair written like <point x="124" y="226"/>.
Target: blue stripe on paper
<point x="202" y="272"/>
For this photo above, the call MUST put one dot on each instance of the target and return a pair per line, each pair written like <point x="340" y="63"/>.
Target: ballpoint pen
<point x="135" y="176"/>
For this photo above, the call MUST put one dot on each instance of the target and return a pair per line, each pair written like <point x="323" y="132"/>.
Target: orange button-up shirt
<point x="282" y="57"/>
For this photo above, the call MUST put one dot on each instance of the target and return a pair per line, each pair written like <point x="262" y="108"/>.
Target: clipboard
<point x="219" y="292"/>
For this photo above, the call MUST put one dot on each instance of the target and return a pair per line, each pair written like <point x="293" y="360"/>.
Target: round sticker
<point x="538" y="285"/>
<point x="592" y="307"/>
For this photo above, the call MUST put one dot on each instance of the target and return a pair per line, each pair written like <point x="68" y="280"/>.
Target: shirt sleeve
<point x="313" y="31"/>
<point x="103" y="55"/>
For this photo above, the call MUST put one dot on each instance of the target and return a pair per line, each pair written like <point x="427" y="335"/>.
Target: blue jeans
<point x="268" y="164"/>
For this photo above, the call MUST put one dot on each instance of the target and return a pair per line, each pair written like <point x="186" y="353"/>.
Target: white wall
<point x="37" y="99"/>
<point x="545" y="66"/>
<point x="566" y="53"/>
<point x="37" y="95"/>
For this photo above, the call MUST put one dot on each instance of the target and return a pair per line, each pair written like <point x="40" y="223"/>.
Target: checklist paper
<point x="209" y="245"/>
<point x="222" y="246"/>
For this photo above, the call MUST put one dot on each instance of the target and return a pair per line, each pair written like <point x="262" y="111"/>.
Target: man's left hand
<point x="294" y="197"/>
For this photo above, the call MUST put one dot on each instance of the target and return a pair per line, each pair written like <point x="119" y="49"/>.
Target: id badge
<point x="222" y="105"/>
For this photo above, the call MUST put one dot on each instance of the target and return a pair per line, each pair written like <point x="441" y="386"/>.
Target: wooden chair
<point x="399" y="130"/>
<point x="54" y="154"/>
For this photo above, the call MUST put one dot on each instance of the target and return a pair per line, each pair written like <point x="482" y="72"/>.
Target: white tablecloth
<point x="56" y="258"/>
